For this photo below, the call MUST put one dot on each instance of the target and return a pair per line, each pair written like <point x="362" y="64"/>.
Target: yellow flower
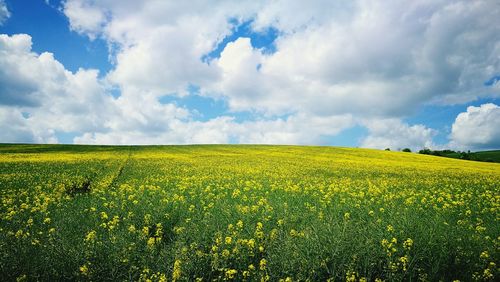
<point x="239" y="224"/>
<point x="274" y="234"/>
<point x="84" y="269"/>
<point x="404" y="260"/>
<point x="91" y="236"/>
<point x="251" y="243"/>
<point x="145" y="231"/>
<point x="350" y="276"/>
<point x="19" y="233"/>
<point x="151" y="242"/>
<point x="408" y="243"/>
<point x="262" y="264"/>
<point x="484" y="255"/>
<point x="228" y="240"/>
<point x="231" y="273"/>
<point x="46" y="220"/>
<point x="176" y="273"/>
<point x="487" y="275"/>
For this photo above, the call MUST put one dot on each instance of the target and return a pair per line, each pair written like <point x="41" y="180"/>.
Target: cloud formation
<point x="397" y="135"/>
<point x="477" y="128"/>
<point x="4" y="12"/>
<point x="375" y="58"/>
<point x="61" y="101"/>
<point x="334" y="65"/>
<point x="51" y="97"/>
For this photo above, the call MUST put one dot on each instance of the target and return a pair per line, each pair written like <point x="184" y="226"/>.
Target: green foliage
<point x="244" y="213"/>
<point x="484" y="156"/>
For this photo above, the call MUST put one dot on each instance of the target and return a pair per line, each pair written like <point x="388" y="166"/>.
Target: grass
<point x="221" y="212"/>
<point x="488" y="156"/>
<point x="482" y="156"/>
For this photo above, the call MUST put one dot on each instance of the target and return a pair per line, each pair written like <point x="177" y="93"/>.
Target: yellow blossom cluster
<point x="245" y="213"/>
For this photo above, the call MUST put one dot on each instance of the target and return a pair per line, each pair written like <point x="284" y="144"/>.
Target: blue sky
<point x="81" y="71"/>
<point x="49" y="29"/>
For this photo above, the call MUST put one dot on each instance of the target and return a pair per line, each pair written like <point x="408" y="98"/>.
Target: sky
<point x="372" y="74"/>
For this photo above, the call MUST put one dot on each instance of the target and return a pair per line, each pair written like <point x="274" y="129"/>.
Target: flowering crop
<point x="268" y="213"/>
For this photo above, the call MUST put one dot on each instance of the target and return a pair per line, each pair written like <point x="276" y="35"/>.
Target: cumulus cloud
<point x="159" y="44"/>
<point x="52" y="98"/>
<point x="85" y="18"/>
<point x="224" y="129"/>
<point x="13" y="126"/>
<point x="370" y="58"/>
<point x="334" y="63"/>
<point x="61" y="101"/>
<point x="395" y="134"/>
<point x="477" y="128"/>
<point x="4" y="12"/>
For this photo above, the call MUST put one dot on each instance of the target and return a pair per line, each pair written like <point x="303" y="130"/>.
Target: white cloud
<point x="477" y="128"/>
<point x="384" y="60"/>
<point x="394" y="134"/>
<point x="224" y="129"/>
<point x="85" y="17"/>
<point x="58" y="100"/>
<point x="369" y="58"/>
<point x="159" y="44"/>
<point x="13" y="126"/>
<point x="4" y="12"/>
<point x="53" y="98"/>
<point x="335" y="62"/>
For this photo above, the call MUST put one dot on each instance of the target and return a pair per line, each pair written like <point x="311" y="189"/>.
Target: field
<point x="255" y="213"/>
<point x="482" y="156"/>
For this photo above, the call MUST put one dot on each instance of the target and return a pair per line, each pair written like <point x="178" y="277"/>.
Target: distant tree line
<point x="403" y="150"/>
<point x="493" y="156"/>
<point x="456" y="154"/>
<point x="449" y="153"/>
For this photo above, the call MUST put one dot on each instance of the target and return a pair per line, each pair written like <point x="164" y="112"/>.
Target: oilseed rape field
<point x="245" y="213"/>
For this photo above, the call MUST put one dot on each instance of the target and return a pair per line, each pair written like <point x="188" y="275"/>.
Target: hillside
<point x="481" y="156"/>
<point x="245" y="212"/>
<point x="487" y="156"/>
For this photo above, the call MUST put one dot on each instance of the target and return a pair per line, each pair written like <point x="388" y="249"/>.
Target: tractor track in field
<point x="114" y="182"/>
